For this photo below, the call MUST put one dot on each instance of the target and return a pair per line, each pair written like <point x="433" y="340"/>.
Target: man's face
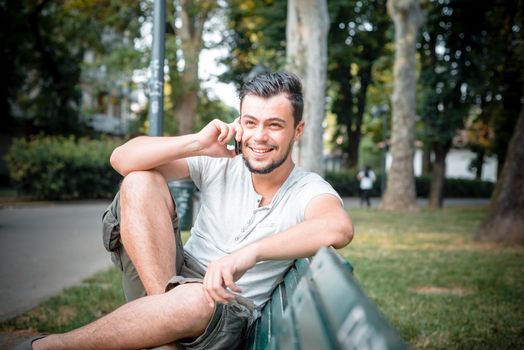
<point x="269" y="132"/>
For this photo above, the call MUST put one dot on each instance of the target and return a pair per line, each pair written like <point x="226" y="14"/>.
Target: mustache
<point x="255" y="145"/>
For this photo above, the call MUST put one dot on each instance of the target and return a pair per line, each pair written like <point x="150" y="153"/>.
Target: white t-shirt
<point x="366" y="182"/>
<point x="230" y="217"/>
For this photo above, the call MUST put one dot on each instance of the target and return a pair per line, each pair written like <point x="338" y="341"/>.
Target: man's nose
<point x="260" y="134"/>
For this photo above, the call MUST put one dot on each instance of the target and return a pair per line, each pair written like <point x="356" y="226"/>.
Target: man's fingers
<point x="224" y="130"/>
<point x="214" y="286"/>
<point x="205" y="285"/>
<point x="219" y="292"/>
<point x="231" y="132"/>
<point x="238" y="132"/>
<point x="230" y="283"/>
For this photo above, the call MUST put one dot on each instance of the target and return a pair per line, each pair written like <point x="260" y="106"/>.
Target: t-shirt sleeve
<point x="197" y="168"/>
<point x="204" y="170"/>
<point x="311" y="189"/>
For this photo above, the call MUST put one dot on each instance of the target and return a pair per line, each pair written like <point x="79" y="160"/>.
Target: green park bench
<point x="319" y="305"/>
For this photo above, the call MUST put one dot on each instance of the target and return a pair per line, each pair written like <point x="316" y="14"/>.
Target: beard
<point x="274" y="165"/>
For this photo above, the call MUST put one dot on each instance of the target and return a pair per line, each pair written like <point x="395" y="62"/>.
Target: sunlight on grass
<point x="438" y="286"/>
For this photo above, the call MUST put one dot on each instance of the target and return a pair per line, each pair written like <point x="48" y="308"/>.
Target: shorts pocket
<point x="111" y="226"/>
<point x="111" y="231"/>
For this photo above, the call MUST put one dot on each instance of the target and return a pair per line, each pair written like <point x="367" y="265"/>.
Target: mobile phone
<point x="238" y="147"/>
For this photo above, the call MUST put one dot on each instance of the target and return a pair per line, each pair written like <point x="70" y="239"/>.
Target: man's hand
<point x="214" y="137"/>
<point x="219" y="281"/>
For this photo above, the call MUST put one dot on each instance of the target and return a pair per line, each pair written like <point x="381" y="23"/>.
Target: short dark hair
<point x="267" y="85"/>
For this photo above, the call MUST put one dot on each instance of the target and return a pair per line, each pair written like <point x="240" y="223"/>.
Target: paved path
<point x="45" y="248"/>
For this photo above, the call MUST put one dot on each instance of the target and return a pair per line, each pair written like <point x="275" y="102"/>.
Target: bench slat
<point x="359" y="322"/>
<point x="311" y="327"/>
<point x="302" y="266"/>
<point x="286" y="339"/>
<point x="277" y="308"/>
<point x="290" y="283"/>
<point x="264" y="329"/>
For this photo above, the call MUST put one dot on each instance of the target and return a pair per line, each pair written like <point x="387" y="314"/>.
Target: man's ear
<point x="299" y="130"/>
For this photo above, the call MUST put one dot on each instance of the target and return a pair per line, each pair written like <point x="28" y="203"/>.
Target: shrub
<point x="57" y="167"/>
<point x="347" y="184"/>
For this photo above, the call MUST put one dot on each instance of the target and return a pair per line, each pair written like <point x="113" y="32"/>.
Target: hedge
<point x="347" y="184"/>
<point x="57" y="167"/>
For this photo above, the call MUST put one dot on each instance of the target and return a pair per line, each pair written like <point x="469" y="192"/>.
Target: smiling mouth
<point x="261" y="150"/>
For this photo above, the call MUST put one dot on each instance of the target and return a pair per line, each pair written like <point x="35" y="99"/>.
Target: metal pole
<point x="156" y="82"/>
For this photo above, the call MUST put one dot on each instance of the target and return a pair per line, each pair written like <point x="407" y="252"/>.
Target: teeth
<point x="261" y="150"/>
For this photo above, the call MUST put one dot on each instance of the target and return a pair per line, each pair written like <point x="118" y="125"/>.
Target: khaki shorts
<point x="229" y="325"/>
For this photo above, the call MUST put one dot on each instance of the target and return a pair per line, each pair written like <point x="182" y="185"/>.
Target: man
<point x="259" y="212"/>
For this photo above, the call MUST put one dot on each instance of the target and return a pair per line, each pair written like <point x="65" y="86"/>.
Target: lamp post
<point x="156" y="81"/>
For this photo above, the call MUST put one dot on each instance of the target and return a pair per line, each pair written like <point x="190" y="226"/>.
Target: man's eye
<point x="275" y="125"/>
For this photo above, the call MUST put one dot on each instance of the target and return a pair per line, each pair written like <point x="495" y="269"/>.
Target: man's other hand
<point x="219" y="281"/>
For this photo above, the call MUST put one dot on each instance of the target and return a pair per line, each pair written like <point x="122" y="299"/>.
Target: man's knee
<point x="138" y="181"/>
<point x="144" y="187"/>
<point x="196" y="311"/>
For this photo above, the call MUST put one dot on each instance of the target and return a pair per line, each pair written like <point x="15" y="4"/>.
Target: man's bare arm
<point x="326" y="224"/>
<point x="167" y="154"/>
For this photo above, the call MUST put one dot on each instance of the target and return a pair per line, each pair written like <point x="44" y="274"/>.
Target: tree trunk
<point x="190" y="34"/>
<point x="505" y="221"/>
<point x="400" y="190"/>
<point x="343" y="107"/>
<point x="306" y="37"/>
<point x="355" y="133"/>
<point x="353" y="148"/>
<point x="438" y="173"/>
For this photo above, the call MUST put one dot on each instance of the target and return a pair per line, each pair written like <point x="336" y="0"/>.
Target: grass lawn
<point x="441" y="289"/>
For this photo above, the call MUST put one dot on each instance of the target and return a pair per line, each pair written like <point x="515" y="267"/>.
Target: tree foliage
<point x="184" y="65"/>
<point x="44" y="44"/>
<point x="256" y="37"/>
<point x="447" y="54"/>
<point x="357" y="39"/>
<point x="463" y="82"/>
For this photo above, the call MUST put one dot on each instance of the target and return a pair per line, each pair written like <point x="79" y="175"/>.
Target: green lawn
<point x="441" y="289"/>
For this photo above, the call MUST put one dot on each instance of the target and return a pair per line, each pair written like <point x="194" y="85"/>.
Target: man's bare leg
<point x="143" y="323"/>
<point x="146" y="229"/>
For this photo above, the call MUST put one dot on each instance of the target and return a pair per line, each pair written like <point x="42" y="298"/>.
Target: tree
<point x="357" y="38"/>
<point x="256" y="37"/>
<point x="504" y="101"/>
<point x="502" y="96"/>
<point x="306" y="38"/>
<point x="448" y="60"/>
<point x="45" y="44"/>
<point x="505" y="221"/>
<point x="193" y="16"/>
<point x="400" y="192"/>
